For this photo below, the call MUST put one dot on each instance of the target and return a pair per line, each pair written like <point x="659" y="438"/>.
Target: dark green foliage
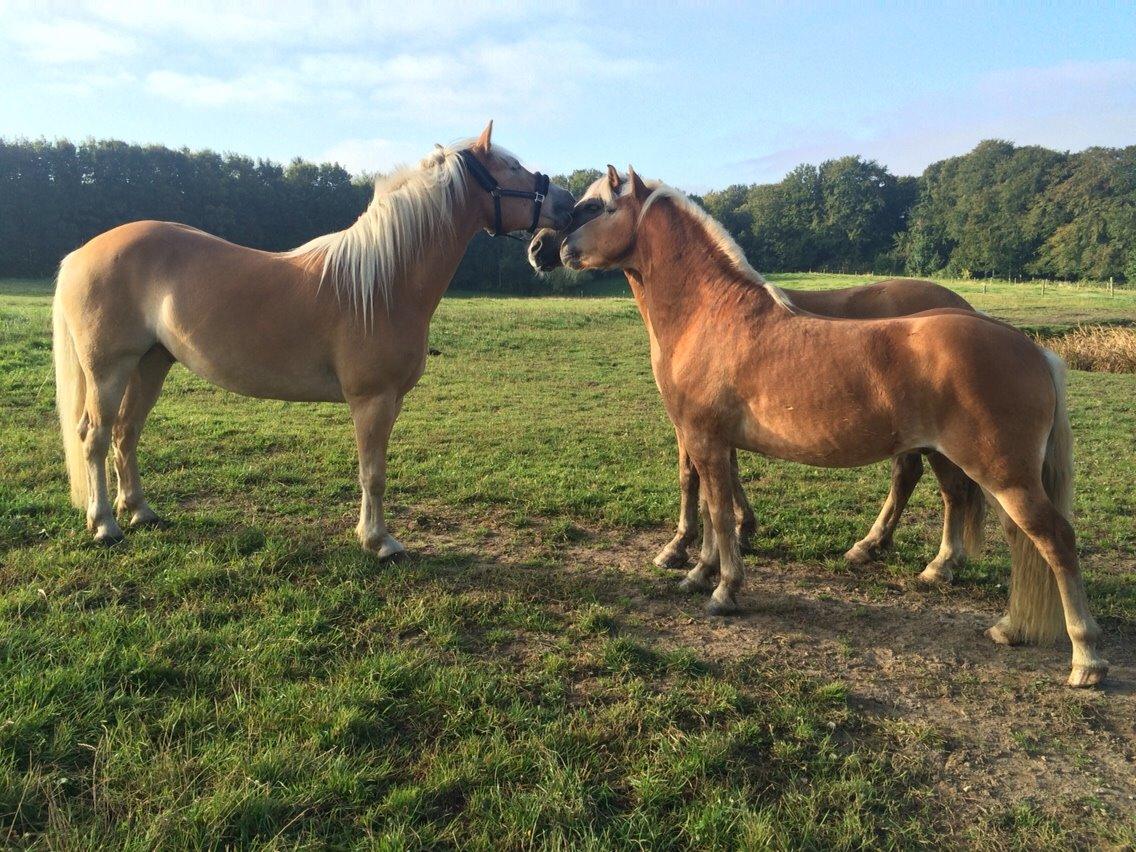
<point x="1013" y="212"/>
<point x="56" y="196"/>
<point x="998" y="210"/>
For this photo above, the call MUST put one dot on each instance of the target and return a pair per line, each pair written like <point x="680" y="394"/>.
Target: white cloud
<point x="258" y="89"/>
<point x="466" y="84"/>
<point x="302" y="22"/>
<point x="64" y="41"/>
<point x="370" y="155"/>
<point x="463" y="86"/>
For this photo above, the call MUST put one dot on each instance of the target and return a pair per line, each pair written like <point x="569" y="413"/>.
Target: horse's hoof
<point x="1093" y="674"/>
<point x="722" y="606"/>
<point x="934" y="575"/>
<point x="109" y="536"/>
<point x="390" y="549"/>
<point x="671" y="558"/>
<point x="693" y="586"/>
<point x="148" y="518"/>
<point x="859" y="554"/>
<point x="1001" y="635"/>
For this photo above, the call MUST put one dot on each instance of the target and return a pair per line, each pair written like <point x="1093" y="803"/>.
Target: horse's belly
<point x="244" y="367"/>
<point x="830" y="441"/>
<point x="267" y="384"/>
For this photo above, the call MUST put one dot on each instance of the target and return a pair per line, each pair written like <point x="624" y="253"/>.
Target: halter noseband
<point x="490" y="185"/>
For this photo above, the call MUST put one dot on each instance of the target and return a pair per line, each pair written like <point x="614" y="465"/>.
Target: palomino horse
<point x="964" y="508"/>
<point x="342" y="318"/>
<point x="739" y="365"/>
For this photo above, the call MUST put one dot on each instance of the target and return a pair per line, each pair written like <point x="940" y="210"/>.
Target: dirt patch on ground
<point x="1007" y="728"/>
<point x="1002" y="725"/>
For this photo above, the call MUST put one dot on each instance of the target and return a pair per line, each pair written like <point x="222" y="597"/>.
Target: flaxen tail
<point x="70" y="395"/>
<point x="1035" y="603"/>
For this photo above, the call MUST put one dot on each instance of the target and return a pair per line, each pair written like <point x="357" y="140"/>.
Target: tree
<point x="999" y="209"/>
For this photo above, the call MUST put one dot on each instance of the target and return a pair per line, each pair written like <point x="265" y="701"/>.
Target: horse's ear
<point x="613" y="178"/>
<point x="483" y="141"/>
<point x="638" y="188"/>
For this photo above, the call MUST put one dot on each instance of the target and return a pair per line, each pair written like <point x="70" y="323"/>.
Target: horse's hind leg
<point x="106" y="384"/>
<point x="906" y="471"/>
<point x="141" y="394"/>
<point x="964" y="509"/>
<point x="1035" y="611"/>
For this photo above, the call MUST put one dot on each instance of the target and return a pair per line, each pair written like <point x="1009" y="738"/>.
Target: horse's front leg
<point x="714" y="466"/>
<point x="674" y="554"/>
<point x="374" y="417"/>
<point x="906" y="469"/>
<point x="743" y="511"/>
<point x="964" y="510"/>
<point x="700" y="578"/>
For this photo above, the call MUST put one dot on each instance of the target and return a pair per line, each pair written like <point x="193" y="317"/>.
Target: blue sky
<point x="699" y="94"/>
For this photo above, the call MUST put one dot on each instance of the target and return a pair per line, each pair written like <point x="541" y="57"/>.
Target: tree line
<point x="999" y="210"/>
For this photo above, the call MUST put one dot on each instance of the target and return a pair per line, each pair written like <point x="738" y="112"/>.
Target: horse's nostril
<point x="536" y="246"/>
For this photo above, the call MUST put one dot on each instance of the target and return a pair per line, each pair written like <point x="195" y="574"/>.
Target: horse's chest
<point x="382" y="364"/>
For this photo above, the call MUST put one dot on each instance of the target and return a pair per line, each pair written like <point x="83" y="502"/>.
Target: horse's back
<point x="153" y="242"/>
<point x="891" y="298"/>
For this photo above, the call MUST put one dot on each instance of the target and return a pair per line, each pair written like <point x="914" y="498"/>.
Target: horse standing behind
<point x="343" y="318"/>
<point x="738" y="365"/>
<point x="964" y="507"/>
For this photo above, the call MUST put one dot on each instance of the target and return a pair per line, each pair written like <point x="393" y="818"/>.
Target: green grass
<point x="249" y="677"/>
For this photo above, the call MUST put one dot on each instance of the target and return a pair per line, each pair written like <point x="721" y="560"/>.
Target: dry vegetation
<point x="1097" y="348"/>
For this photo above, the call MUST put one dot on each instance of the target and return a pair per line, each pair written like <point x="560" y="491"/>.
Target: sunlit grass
<point x="249" y="676"/>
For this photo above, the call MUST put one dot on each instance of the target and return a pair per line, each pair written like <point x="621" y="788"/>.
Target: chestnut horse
<point x="343" y="318"/>
<point x="964" y="509"/>
<point x="738" y="365"/>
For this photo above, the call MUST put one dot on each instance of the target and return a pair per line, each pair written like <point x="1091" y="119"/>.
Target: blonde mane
<point x="720" y="237"/>
<point x="411" y="208"/>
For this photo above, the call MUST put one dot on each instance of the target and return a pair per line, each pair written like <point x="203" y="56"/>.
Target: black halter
<point x="490" y="185"/>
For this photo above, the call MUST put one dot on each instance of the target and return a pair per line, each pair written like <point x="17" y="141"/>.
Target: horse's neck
<point x="424" y="288"/>
<point x="684" y="278"/>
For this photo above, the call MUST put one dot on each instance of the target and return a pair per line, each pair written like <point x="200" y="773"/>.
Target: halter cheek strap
<point x="490" y="185"/>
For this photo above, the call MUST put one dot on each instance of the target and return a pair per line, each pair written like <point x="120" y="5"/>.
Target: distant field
<point x="527" y="678"/>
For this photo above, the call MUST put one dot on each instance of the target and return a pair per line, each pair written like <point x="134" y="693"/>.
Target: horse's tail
<point x="70" y="394"/>
<point x="1035" y="602"/>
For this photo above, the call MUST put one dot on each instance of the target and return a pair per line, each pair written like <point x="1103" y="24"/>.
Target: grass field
<point x="249" y="677"/>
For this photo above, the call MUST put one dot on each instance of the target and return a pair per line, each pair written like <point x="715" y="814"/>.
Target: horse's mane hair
<point x="411" y="208"/>
<point x="718" y="235"/>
